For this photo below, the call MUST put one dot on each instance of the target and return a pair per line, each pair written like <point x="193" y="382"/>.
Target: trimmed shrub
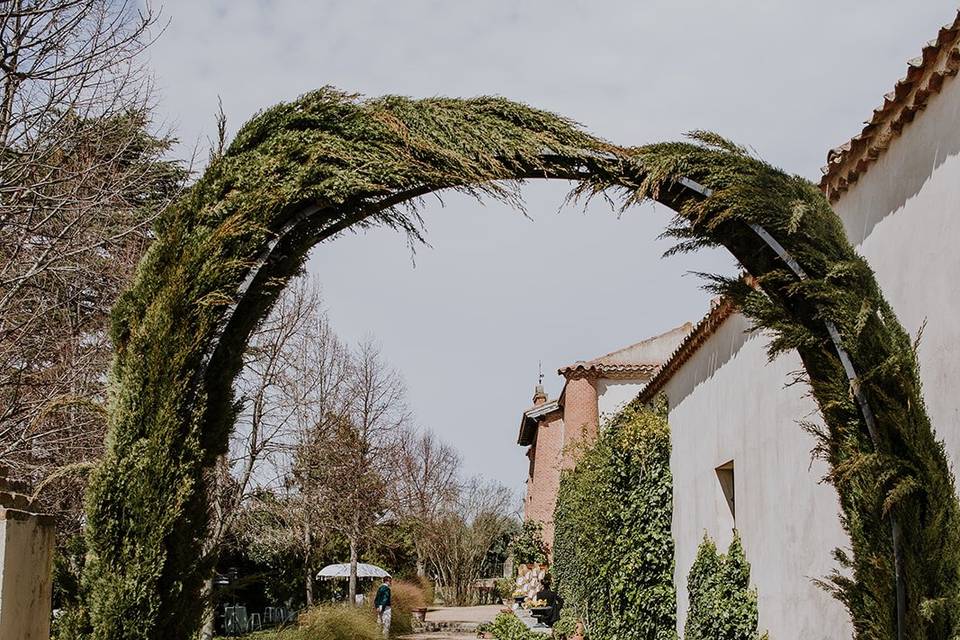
<point x="507" y="626"/>
<point x="722" y="604"/>
<point x="613" y="548"/>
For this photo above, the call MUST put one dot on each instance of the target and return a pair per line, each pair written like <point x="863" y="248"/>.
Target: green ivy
<point x="613" y="549"/>
<point x="722" y="604"/>
<point x="566" y="626"/>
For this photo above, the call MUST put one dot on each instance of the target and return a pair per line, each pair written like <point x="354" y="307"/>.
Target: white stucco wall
<point x="727" y="403"/>
<point x="612" y="395"/>
<point x="904" y="217"/>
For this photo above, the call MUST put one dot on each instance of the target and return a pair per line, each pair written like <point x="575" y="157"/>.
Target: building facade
<point x="740" y="457"/>
<point x="554" y="430"/>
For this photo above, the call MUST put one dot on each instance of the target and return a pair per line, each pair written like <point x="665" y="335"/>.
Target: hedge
<point x="613" y="549"/>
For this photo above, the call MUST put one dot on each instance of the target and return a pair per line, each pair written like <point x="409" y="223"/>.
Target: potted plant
<point x="505" y="590"/>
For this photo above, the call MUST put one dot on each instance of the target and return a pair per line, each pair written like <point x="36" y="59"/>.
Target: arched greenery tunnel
<point x="302" y="172"/>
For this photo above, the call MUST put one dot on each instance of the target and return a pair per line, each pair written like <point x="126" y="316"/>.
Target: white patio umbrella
<point x="332" y="571"/>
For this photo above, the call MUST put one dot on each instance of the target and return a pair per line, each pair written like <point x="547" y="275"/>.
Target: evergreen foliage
<point x="613" y="549"/>
<point x="528" y="546"/>
<point x="722" y="604"/>
<point x="907" y="475"/>
<point x="302" y="172"/>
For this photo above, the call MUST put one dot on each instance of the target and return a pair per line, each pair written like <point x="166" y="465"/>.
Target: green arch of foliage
<point x="300" y="173"/>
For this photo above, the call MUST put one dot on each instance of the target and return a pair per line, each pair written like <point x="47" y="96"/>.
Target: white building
<point x="740" y="458"/>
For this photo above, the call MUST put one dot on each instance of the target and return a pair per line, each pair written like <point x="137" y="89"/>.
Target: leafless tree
<point x="296" y="371"/>
<point x="342" y="466"/>
<point x="460" y="538"/>
<point x="423" y="484"/>
<point x="81" y="178"/>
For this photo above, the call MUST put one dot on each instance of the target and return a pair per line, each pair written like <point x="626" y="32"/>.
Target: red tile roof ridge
<point x="939" y="59"/>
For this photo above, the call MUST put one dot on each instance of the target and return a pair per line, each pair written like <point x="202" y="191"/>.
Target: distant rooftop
<point x="641" y="358"/>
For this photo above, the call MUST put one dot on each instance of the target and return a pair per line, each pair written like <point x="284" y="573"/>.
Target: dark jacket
<point x="383" y="596"/>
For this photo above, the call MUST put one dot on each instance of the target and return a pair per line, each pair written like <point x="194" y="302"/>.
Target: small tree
<point x="528" y="545"/>
<point x="461" y="538"/>
<point x="424" y="482"/>
<point x="341" y="460"/>
<point x="722" y="604"/>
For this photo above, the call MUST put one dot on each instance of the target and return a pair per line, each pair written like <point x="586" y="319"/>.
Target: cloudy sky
<point x="468" y="318"/>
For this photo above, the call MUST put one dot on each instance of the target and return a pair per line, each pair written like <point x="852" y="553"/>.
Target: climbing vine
<point x="302" y="172"/>
<point x="613" y="549"/>
<point x="723" y="606"/>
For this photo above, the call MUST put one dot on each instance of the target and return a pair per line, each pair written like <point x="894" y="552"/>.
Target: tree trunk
<point x="353" y="571"/>
<point x="206" y="632"/>
<point x="307" y="568"/>
<point x="421" y="564"/>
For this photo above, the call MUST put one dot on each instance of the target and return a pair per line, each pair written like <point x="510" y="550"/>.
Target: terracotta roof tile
<point x="719" y="312"/>
<point x="925" y="74"/>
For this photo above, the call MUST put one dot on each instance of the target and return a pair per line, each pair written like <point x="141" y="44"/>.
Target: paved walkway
<point x="455" y="623"/>
<point x="474" y="615"/>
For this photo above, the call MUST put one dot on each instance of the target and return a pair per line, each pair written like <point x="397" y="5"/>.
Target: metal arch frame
<point x="574" y="173"/>
<point x="855" y="387"/>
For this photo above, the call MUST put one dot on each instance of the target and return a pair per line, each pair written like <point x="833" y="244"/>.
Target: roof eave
<point x="939" y="60"/>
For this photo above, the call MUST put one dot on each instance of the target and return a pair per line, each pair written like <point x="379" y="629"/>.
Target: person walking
<point x="382" y="604"/>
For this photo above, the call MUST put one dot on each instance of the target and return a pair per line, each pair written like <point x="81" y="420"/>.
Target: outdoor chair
<point x="235" y="620"/>
<point x="255" y="623"/>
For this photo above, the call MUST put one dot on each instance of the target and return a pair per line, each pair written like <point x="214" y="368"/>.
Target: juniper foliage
<point x="302" y="172"/>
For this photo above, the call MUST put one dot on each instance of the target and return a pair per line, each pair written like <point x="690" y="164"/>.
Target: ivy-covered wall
<point x="613" y="552"/>
<point x="528" y="547"/>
